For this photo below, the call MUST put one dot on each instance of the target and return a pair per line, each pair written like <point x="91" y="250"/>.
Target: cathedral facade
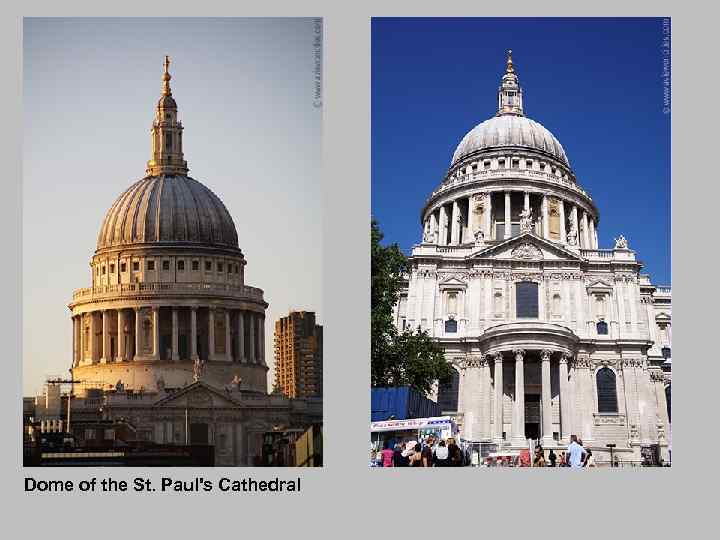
<point x="550" y="335"/>
<point x="169" y="336"/>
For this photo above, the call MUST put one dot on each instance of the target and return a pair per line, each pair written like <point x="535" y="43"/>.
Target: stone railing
<point x="137" y="289"/>
<point x="663" y="289"/>
<point x="454" y="182"/>
<point x="597" y="253"/>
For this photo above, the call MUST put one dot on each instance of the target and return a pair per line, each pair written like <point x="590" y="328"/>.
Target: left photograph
<point x="172" y="318"/>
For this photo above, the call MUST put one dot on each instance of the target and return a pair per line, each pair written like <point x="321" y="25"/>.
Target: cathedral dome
<point x="168" y="208"/>
<point x="509" y="131"/>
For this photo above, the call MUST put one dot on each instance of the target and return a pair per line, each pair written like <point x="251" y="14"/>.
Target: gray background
<point x="346" y="498"/>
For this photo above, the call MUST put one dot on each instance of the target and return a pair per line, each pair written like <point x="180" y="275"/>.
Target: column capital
<point x="564" y="358"/>
<point x="498" y="357"/>
<point x="545" y="355"/>
<point x="519" y="354"/>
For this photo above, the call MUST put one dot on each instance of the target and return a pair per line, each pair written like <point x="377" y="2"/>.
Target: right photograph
<point x="521" y="242"/>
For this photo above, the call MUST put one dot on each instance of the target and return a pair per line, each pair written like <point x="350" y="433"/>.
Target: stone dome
<point x="168" y="209"/>
<point x="509" y="131"/>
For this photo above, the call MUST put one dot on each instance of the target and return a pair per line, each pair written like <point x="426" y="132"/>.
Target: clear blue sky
<point x="245" y="93"/>
<point x="596" y="84"/>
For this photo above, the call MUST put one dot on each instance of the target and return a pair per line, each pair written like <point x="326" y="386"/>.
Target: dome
<point x="506" y="131"/>
<point x="167" y="102"/>
<point x="168" y="208"/>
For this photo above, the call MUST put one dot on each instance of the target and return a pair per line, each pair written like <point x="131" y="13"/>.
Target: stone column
<point x="574" y="221"/>
<point x="193" y="334"/>
<point x="472" y="398"/>
<point x="547" y="438"/>
<point x="489" y="233"/>
<point x="591" y="233"/>
<point x="211" y="333"/>
<point x="485" y="432"/>
<point x="526" y="201"/>
<point x="545" y="218"/>
<point x="93" y="339"/>
<point x="156" y="332"/>
<point x="508" y="215"/>
<point x="434" y="226"/>
<point x="442" y="241"/>
<point x="565" y="406"/>
<point x="138" y="334"/>
<point x="105" y="337"/>
<point x="261" y="360"/>
<point x="228" y="341"/>
<point x="251" y="352"/>
<point x="455" y="224"/>
<point x="585" y="237"/>
<point x="518" y="425"/>
<point x="563" y="232"/>
<point x="75" y="341"/>
<point x="241" y="337"/>
<point x="121" y="352"/>
<point x="175" y="348"/>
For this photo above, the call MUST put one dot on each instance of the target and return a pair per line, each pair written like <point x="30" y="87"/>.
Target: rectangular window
<point x="486" y="165"/>
<point x="515" y="163"/>
<point x="136" y="266"/>
<point x="501" y="164"/>
<point x="181" y="266"/>
<point x="208" y="266"/>
<point x="112" y="268"/>
<point x="103" y="270"/>
<point x="514" y="229"/>
<point x="123" y="267"/>
<point x="220" y="267"/>
<point x="166" y="265"/>
<point x="499" y="231"/>
<point x="528" y="164"/>
<point x="151" y="265"/>
<point x="526" y="299"/>
<point x="196" y="266"/>
<point x="168" y="142"/>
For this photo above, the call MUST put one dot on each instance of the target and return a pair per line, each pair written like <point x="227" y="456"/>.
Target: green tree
<point x="403" y="358"/>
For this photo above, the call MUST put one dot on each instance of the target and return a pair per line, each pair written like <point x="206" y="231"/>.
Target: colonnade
<point x="454" y="223"/>
<point x="118" y="335"/>
<point x="476" y="375"/>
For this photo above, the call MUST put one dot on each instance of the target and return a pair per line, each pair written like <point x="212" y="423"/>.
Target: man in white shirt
<point x="576" y="453"/>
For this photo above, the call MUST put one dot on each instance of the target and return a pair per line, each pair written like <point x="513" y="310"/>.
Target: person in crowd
<point x="589" y="459"/>
<point x="398" y="459"/>
<point x="373" y="458"/>
<point x="456" y="459"/>
<point x="576" y="453"/>
<point x="442" y="455"/>
<point x="387" y="455"/>
<point x="539" y="460"/>
<point x="553" y="458"/>
<point x="427" y="453"/>
<point x="416" y="456"/>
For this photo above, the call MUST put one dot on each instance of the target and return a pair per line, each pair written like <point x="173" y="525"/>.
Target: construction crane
<point x="72" y="382"/>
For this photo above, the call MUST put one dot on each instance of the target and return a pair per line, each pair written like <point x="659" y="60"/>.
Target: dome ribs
<point x="172" y="208"/>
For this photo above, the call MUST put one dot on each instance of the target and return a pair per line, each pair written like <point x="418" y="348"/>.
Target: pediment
<point x="528" y="247"/>
<point x="198" y="396"/>
<point x="599" y="286"/>
<point x="453" y="282"/>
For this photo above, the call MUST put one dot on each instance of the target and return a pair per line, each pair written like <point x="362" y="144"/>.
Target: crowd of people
<point x="437" y="452"/>
<point x="432" y="452"/>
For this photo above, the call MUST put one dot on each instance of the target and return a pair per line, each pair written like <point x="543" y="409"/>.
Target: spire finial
<point x="510" y="93"/>
<point x="166" y="77"/>
<point x="510" y="68"/>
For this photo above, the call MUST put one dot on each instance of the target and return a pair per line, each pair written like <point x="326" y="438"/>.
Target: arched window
<point x="526" y="295"/>
<point x="602" y="328"/>
<point x="451" y="326"/>
<point x="667" y="398"/>
<point x="606" y="391"/>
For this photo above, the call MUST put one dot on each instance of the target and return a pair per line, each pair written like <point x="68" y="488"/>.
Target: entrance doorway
<point x="532" y="416"/>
